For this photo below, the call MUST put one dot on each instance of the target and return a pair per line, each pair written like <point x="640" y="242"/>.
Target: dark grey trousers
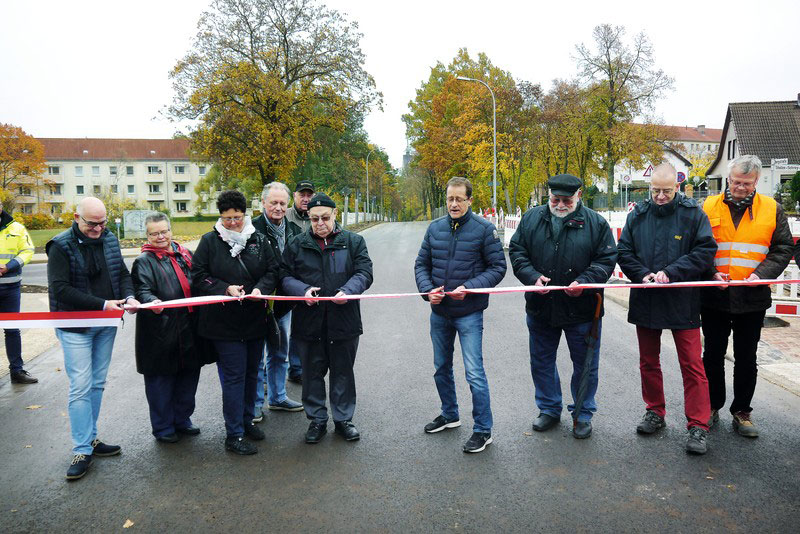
<point x="318" y="357"/>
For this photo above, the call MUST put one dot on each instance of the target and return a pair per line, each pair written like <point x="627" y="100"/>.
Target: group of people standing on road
<point x="301" y="251"/>
<point x="736" y="235"/>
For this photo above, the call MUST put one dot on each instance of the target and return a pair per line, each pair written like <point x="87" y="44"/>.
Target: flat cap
<point x="564" y="184"/>
<point x="321" y="199"/>
<point x="303" y="185"/>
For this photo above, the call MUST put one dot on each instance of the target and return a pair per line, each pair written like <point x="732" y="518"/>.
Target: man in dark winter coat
<point x="327" y="261"/>
<point x="667" y="238"/>
<point x="274" y="366"/>
<point x="460" y="251"/>
<point x="566" y="244"/>
<point x="85" y="272"/>
<point x="754" y="242"/>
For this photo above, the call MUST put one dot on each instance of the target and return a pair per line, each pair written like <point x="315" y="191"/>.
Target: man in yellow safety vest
<point x="754" y="242"/>
<point x="16" y="249"/>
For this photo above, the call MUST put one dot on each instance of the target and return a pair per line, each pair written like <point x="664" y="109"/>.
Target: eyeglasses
<point x="232" y="219"/>
<point x="555" y="201"/>
<point x="657" y="192"/>
<point x="324" y="218"/>
<point x="457" y="200"/>
<point x="159" y="234"/>
<point x="95" y="224"/>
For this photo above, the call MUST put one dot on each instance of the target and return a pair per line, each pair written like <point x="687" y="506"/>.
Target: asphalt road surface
<point x="397" y="478"/>
<point x="35" y="274"/>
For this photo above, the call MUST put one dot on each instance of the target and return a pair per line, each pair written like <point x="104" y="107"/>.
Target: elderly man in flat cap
<point x="563" y="243"/>
<point x="327" y="261"/>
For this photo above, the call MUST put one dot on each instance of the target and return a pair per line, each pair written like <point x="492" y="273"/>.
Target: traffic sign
<point x="681" y="177"/>
<point x="626" y="178"/>
<point x="649" y="172"/>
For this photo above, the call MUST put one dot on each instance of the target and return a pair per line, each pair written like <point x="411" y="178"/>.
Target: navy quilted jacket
<point x="464" y="251"/>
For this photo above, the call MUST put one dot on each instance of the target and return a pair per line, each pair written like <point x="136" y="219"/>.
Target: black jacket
<point x="280" y="307"/>
<point x="343" y="265"/>
<point x="68" y="280"/>
<point x="165" y="342"/>
<point x="459" y="252"/>
<point x="214" y="269"/>
<point x="757" y="298"/>
<point x="584" y="252"/>
<point x="675" y="238"/>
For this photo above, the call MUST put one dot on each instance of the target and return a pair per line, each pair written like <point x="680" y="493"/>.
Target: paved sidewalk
<point x="35" y="341"/>
<point x="778" y="350"/>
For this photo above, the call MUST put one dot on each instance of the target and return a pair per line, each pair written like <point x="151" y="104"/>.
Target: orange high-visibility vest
<point x="740" y="250"/>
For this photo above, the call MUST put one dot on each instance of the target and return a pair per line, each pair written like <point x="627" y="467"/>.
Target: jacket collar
<point x="5" y="220"/>
<point x="456" y="223"/>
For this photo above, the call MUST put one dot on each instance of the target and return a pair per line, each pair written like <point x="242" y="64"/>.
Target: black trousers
<point x="717" y="327"/>
<point x="318" y="357"/>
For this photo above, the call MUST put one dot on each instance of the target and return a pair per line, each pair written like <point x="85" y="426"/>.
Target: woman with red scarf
<point x="167" y="352"/>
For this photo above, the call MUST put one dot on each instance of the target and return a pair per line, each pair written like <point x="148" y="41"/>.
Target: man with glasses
<point x="297" y="222"/>
<point x="327" y="261"/>
<point x="566" y="244"/>
<point x="754" y="242"/>
<point x="85" y="271"/>
<point x="272" y="371"/>
<point x="460" y="251"/>
<point x="667" y="238"/>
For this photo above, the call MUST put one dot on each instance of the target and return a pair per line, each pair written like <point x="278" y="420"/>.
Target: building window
<point x="155" y="188"/>
<point x="180" y="169"/>
<point x="96" y="189"/>
<point x="709" y="147"/>
<point x="55" y="189"/>
<point x="24" y="191"/>
<point x="153" y="169"/>
<point x="734" y="149"/>
<point x="78" y="170"/>
<point x="55" y="209"/>
<point x="202" y="170"/>
<point x="54" y="170"/>
<point x="131" y="189"/>
<point x="114" y="189"/>
<point x="27" y="209"/>
<point x="180" y="206"/>
<point x="112" y="170"/>
<point x="79" y="189"/>
<point x="129" y="170"/>
<point x="180" y="188"/>
<point x="729" y="150"/>
<point x="155" y="206"/>
<point x="95" y="170"/>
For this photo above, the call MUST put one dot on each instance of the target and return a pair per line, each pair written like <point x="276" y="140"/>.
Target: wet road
<point x="397" y="478"/>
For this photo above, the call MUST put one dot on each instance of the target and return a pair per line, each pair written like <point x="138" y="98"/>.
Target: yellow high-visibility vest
<point x="740" y="250"/>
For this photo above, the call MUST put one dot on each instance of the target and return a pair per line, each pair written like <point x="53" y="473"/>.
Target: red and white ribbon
<point x="79" y="319"/>
<point x="112" y="318"/>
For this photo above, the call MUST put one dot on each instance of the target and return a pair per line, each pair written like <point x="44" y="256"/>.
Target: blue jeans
<point x="470" y="336"/>
<point x="9" y="303"/>
<point x="295" y="363"/>
<point x="543" y="342"/>
<point x="273" y="366"/>
<point x="237" y="365"/>
<point x="86" y="359"/>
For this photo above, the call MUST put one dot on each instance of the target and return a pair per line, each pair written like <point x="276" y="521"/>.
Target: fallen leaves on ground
<point x="33" y="407"/>
<point x="128" y="524"/>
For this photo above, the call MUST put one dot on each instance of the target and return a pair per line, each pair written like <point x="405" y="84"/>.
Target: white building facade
<point x="155" y="174"/>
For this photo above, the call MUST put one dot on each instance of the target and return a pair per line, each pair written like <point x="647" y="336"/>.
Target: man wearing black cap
<point x="327" y="261"/>
<point x="298" y="214"/>
<point x="296" y="223"/>
<point x="566" y="244"/>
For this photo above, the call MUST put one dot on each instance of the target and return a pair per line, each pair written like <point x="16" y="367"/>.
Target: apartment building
<point x="156" y="174"/>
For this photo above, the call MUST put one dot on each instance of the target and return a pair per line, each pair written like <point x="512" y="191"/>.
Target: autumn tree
<point x="262" y="77"/>
<point x="22" y="165"/>
<point x="626" y="83"/>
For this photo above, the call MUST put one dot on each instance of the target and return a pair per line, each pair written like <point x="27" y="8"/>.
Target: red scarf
<point x="172" y="253"/>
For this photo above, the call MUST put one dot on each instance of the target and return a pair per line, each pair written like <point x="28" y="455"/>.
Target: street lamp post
<point x="367" y="210"/>
<point x="494" y="137"/>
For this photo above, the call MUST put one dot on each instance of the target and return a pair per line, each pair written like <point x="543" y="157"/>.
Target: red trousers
<point x="697" y="405"/>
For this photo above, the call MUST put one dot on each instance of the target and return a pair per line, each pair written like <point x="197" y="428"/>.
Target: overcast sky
<point x="99" y="68"/>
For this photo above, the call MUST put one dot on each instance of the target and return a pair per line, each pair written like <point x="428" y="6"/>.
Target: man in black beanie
<point x="327" y="261"/>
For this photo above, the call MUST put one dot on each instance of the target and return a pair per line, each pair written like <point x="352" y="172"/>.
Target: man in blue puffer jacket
<point x="459" y="252"/>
